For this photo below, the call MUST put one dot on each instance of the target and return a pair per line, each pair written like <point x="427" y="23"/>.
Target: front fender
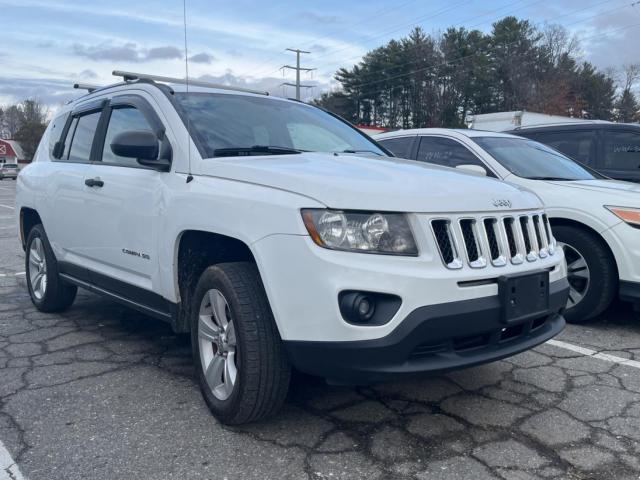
<point x="245" y="212"/>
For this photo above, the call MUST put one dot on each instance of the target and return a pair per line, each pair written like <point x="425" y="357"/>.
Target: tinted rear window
<point x="579" y="145"/>
<point x="400" y="147"/>
<point x="83" y="137"/>
<point x="621" y="150"/>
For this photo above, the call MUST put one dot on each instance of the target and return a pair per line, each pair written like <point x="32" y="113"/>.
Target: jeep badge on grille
<point x="500" y="202"/>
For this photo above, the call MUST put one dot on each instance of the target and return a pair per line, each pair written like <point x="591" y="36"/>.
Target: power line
<point x="435" y="15"/>
<point x="386" y="32"/>
<point x="298" y="69"/>
<point x="464" y="57"/>
<point x="310" y="44"/>
<point x="473" y="26"/>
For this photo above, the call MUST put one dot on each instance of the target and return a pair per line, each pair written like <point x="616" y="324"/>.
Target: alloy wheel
<point x="38" y="268"/>
<point x="578" y="274"/>
<point x="217" y="337"/>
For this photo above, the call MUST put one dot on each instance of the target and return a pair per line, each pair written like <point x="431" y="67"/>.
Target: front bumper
<point x="303" y="283"/>
<point x="624" y="241"/>
<point x="432" y="339"/>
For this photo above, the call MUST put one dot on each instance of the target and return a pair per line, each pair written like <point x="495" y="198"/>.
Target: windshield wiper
<point x="559" y="179"/>
<point x="254" y="150"/>
<point x="361" y="151"/>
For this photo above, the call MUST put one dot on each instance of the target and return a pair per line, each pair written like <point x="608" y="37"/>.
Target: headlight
<point x="628" y="215"/>
<point x="368" y="232"/>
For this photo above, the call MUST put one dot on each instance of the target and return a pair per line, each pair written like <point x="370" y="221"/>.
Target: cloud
<point x="272" y="85"/>
<point x="202" y="58"/>
<point x="128" y="52"/>
<point x="88" y="74"/>
<point x="616" y="32"/>
<point x="163" y="53"/>
<point x="319" y="17"/>
<point x="317" y="48"/>
<point x="51" y="92"/>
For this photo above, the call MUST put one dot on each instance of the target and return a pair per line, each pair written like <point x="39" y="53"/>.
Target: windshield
<point x="533" y="160"/>
<point x="226" y="124"/>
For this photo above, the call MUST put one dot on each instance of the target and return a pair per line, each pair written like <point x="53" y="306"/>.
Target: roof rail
<point x="86" y="86"/>
<point x="130" y="76"/>
<point x="577" y="121"/>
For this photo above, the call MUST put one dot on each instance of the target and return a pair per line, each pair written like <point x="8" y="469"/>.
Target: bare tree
<point x="558" y="42"/>
<point x="13" y="119"/>
<point x="630" y="75"/>
<point x="33" y="125"/>
<point x="627" y="107"/>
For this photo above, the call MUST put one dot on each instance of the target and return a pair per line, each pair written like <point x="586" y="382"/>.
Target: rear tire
<point x="49" y="293"/>
<point x="241" y="364"/>
<point x="592" y="273"/>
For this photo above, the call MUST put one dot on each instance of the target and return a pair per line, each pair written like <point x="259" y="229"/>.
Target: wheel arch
<point x="195" y="250"/>
<point x="29" y="218"/>
<point x="559" y="221"/>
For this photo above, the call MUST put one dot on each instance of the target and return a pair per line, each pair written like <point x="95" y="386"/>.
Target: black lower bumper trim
<point x="433" y="339"/>
<point x="630" y="291"/>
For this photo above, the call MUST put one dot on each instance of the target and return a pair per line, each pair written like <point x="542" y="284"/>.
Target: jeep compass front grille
<point x="496" y="240"/>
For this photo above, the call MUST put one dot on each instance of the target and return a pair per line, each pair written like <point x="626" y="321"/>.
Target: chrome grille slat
<point x="447" y="243"/>
<point x="479" y="240"/>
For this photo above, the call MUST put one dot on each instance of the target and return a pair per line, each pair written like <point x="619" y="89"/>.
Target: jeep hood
<point x="357" y="182"/>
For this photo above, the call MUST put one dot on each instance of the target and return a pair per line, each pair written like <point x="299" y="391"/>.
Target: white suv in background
<point x="595" y="219"/>
<point x="280" y="236"/>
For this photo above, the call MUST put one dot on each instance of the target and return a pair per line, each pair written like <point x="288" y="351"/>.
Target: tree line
<point x="437" y="80"/>
<point x="24" y="122"/>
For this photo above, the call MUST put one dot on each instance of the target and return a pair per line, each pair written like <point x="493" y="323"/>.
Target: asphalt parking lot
<point x="102" y="392"/>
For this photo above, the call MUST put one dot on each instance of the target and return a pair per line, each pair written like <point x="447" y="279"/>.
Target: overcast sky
<point x="49" y="44"/>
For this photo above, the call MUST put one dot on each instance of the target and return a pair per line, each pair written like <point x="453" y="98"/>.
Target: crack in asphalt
<point x="545" y="414"/>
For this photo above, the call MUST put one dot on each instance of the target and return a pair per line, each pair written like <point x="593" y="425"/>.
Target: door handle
<point x="94" y="182"/>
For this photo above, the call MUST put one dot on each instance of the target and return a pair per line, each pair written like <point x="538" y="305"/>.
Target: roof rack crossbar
<point x="130" y="76"/>
<point x="86" y="86"/>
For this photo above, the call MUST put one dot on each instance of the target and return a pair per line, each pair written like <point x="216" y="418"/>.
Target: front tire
<point x="241" y="365"/>
<point x="49" y="293"/>
<point x="592" y="273"/>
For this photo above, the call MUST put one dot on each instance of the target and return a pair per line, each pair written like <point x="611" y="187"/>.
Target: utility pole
<point x="298" y="69"/>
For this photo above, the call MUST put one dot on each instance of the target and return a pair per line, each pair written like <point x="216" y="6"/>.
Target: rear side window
<point x="84" y="129"/>
<point x="578" y="145"/>
<point x="123" y="119"/>
<point x="57" y="125"/>
<point x="621" y="150"/>
<point x="400" y="147"/>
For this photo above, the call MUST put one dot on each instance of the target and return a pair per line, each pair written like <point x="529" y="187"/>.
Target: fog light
<point x="367" y="308"/>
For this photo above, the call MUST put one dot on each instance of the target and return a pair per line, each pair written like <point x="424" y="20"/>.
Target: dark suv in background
<point x="612" y="149"/>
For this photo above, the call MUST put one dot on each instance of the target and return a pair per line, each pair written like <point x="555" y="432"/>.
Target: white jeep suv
<point x="595" y="220"/>
<point x="280" y="236"/>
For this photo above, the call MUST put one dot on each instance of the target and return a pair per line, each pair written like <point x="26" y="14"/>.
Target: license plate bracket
<point x="523" y="296"/>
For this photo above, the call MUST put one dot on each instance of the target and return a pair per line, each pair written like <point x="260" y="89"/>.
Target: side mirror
<point x="477" y="169"/>
<point x="141" y="145"/>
